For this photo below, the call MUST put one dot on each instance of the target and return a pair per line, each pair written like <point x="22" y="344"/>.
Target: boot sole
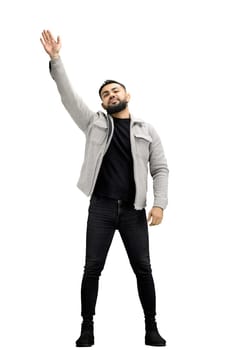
<point x="155" y="344"/>
<point x="151" y="344"/>
<point x="84" y="345"/>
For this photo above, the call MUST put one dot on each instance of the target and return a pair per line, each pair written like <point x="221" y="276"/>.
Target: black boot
<point x="153" y="337"/>
<point x="87" y="333"/>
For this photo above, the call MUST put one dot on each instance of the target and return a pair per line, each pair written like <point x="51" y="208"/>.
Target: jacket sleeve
<point x="75" y="106"/>
<point x="159" y="170"/>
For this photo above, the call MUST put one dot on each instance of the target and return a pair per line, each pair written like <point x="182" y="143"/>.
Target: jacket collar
<point x="135" y="120"/>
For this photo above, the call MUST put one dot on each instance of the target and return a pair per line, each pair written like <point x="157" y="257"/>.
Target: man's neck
<point x="122" y="114"/>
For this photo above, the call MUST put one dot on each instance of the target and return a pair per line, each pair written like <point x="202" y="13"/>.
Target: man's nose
<point x="112" y="94"/>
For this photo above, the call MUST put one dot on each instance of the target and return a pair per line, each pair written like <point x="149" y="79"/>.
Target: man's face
<point x="114" y="98"/>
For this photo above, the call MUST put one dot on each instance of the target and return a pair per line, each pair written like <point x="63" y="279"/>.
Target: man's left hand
<point x="155" y="216"/>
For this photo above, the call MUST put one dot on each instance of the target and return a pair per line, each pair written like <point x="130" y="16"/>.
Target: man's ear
<point x="128" y="97"/>
<point x="103" y="106"/>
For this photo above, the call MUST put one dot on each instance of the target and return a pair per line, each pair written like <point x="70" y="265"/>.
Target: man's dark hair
<point x="110" y="82"/>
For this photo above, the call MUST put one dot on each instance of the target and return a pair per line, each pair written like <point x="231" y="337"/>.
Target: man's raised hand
<point x="51" y="46"/>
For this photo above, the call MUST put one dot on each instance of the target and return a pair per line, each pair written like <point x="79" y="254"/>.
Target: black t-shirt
<point x="116" y="177"/>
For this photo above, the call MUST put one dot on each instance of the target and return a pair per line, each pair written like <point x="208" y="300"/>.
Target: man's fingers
<point x="42" y="42"/>
<point x="44" y="36"/>
<point x="51" y="38"/>
<point x="47" y="36"/>
<point x="155" y="221"/>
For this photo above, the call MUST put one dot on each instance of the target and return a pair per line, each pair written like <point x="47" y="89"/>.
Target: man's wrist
<point x="54" y="57"/>
<point x="155" y="206"/>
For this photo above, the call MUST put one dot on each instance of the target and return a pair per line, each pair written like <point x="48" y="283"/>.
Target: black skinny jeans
<point x="105" y="216"/>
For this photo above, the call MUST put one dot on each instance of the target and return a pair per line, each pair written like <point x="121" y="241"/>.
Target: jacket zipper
<point x="133" y="157"/>
<point x="100" y="159"/>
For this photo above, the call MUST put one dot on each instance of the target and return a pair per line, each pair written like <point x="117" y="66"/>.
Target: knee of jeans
<point x="93" y="267"/>
<point x="142" y="268"/>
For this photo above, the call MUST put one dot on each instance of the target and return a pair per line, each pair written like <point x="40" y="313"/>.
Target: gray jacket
<point x="98" y="128"/>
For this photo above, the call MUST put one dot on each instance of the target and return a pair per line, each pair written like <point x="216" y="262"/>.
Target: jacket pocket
<point x="142" y="143"/>
<point x="98" y="132"/>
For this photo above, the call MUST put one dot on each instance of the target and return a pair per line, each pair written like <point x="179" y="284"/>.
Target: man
<point x="114" y="174"/>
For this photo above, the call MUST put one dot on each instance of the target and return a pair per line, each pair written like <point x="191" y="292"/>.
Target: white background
<point x="176" y="59"/>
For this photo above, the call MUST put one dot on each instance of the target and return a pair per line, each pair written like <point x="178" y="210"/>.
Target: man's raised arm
<point x="75" y="106"/>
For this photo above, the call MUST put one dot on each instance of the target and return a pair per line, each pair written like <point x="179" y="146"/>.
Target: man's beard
<point x="117" y="108"/>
